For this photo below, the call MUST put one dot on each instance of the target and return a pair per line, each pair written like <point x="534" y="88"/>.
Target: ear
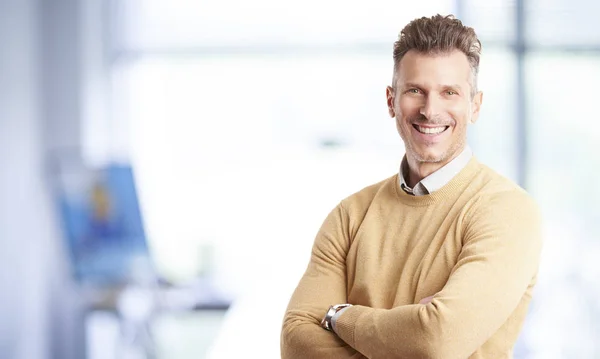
<point x="389" y="94"/>
<point x="476" y="106"/>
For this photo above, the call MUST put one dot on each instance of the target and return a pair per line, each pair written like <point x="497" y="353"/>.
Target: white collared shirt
<point x="437" y="179"/>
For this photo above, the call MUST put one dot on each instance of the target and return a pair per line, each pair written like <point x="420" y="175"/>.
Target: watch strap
<point x="326" y="322"/>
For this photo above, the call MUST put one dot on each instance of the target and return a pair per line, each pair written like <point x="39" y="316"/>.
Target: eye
<point x="413" y="91"/>
<point x="451" y="92"/>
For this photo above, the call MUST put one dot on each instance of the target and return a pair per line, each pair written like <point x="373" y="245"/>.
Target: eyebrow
<point x="454" y="86"/>
<point x="412" y="84"/>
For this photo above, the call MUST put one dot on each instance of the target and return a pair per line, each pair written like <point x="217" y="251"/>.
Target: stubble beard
<point x="425" y="158"/>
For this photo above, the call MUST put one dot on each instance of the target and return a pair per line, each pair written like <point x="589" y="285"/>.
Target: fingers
<point x="426" y="300"/>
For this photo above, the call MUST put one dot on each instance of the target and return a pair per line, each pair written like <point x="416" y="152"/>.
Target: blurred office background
<point x="245" y="122"/>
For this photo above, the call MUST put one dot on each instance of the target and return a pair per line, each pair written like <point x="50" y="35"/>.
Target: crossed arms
<point x="453" y="324"/>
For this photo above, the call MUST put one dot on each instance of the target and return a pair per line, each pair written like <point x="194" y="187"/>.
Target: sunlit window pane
<point x="494" y="21"/>
<point x="564" y="131"/>
<point x="564" y="134"/>
<point x="493" y="135"/>
<point x="234" y="140"/>
<point x="562" y="22"/>
<point x="160" y="24"/>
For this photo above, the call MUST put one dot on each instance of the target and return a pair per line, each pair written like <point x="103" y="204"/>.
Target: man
<point x="438" y="261"/>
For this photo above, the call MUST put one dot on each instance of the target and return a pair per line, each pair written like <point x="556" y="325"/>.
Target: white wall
<point x="40" y="85"/>
<point x="25" y="223"/>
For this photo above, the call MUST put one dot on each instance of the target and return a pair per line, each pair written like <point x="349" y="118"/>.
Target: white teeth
<point x="431" y="130"/>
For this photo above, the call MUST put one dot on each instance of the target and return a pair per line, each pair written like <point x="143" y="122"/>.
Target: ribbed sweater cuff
<point x="346" y="323"/>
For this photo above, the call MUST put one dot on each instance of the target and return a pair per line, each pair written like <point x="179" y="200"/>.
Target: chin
<point x="430" y="156"/>
<point x="431" y="159"/>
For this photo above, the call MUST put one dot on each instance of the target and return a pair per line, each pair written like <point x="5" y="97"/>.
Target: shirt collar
<point x="437" y="179"/>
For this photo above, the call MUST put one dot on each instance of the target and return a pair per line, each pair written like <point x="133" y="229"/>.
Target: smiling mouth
<point x="430" y="130"/>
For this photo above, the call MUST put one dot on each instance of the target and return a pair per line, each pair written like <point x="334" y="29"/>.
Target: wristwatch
<point x="326" y="322"/>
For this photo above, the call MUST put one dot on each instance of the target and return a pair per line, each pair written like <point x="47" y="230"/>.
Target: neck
<point x="417" y="170"/>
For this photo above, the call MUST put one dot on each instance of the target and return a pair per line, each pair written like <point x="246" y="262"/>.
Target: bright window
<point x="248" y="121"/>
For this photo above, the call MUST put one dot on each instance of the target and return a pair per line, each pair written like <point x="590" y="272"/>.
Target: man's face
<point x="432" y="104"/>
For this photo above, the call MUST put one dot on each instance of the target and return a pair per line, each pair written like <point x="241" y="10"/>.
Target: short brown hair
<point x="436" y="35"/>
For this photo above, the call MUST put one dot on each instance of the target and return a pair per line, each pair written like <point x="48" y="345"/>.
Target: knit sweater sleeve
<point x="323" y="284"/>
<point x="498" y="260"/>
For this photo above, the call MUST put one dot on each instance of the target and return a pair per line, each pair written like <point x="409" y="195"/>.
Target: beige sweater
<point x="475" y="244"/>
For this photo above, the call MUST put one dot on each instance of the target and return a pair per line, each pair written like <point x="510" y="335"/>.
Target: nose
<point x="431" y="107"/>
